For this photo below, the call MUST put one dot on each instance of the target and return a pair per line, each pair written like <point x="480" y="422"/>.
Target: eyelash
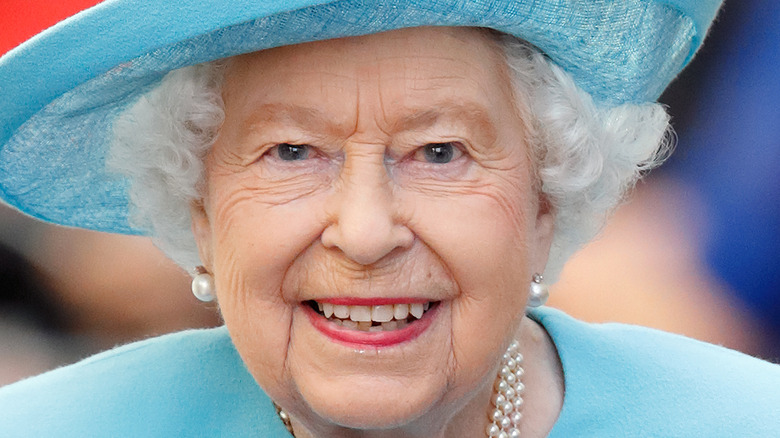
<point x="430" y="153"/>
<point x="297" y="150"/>
<point x="448" y="151"/>
<point x="301" y="152"/>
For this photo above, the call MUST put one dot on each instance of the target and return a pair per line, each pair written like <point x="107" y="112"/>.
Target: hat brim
<point x="61" y="91"/>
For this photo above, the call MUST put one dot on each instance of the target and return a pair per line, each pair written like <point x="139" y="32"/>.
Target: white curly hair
<point x="587" y="156"/>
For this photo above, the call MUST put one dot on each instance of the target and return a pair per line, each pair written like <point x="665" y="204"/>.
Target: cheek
<point x="482" y="238"/>
<point x="254" y="245"/>
<point x="484" y="244"/>
<point x="257" y="236"/>
<point x="482" y="235"/>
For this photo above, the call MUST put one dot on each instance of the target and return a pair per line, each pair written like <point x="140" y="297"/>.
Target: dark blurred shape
<point x="726" y="109"/>
<point x="24" y="296"/>
<point x="33" y="323"/>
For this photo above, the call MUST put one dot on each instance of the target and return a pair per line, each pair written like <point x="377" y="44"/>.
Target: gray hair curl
<point x="587" y="156"/>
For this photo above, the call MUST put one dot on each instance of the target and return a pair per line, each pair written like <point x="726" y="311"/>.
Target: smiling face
<point x="378" y="178"/>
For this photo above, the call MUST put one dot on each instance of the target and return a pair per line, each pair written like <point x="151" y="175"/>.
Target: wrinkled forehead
<point x="424" y="53"/>
<point x="415" y="75"/>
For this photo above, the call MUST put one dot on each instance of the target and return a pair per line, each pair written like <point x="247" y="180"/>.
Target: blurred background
<point x="692" y="251"/>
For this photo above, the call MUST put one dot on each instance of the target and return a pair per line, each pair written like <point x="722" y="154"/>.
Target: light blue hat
<point x="60" y="91"/>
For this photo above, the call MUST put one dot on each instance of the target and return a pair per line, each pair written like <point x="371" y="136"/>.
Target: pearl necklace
<point x="507" y="400"/>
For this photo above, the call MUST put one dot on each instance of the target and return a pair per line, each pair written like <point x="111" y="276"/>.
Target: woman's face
<point x="385" y="173"/>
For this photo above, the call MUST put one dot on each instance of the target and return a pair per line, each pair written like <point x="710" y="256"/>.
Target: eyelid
<point x="273" y="151"/>
<point x="458" y="148"/>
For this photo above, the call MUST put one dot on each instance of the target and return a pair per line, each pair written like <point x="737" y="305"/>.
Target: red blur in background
<point x="22" y="19"/>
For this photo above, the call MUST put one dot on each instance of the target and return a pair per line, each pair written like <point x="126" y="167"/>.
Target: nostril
<point x="403" y="236"/>
<point x="364" y="214"/>
<point x="366" y="243"/>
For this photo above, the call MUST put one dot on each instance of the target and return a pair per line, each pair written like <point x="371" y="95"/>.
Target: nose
<point x="366" y="222"/>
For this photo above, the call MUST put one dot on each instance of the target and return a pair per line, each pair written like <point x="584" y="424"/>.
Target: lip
<point x="361" y="339"/>
<point x="349" y="301"/>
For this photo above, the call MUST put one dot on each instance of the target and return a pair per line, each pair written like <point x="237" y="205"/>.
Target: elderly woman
<point x="374" y="193"/>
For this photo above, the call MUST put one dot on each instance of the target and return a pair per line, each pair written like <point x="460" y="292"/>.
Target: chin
<point x="371" y="404"/>
<point x="365" y="381"/>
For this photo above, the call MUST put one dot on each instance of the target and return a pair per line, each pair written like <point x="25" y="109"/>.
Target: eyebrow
<point x="474" y="116"/>
<point x="471" y="113"/>
<point x="311" y="118"/>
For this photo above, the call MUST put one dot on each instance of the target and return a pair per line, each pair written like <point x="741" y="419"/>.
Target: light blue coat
<point x="621" y="381"/>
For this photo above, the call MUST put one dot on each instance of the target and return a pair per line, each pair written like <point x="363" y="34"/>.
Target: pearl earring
<point x="539" y="292"/>
<point x="203" y="285"/>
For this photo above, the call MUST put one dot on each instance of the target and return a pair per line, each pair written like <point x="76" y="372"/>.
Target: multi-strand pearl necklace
<point x="507" y="400"/>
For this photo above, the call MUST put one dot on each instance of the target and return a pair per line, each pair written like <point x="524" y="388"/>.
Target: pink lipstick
<point x="374" y="322"/>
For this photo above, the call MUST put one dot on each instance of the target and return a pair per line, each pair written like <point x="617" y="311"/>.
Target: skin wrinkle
<point x="468" y="229"/>
<point x="382" y="277"/>
<point x="448" y="117"/>
<point x="284" y="192"/>
<point x="522" y="112"/>
<point x="275" y="192"/>
<point x="311" y="120"/>
<point x="382" y="110"/>
<point x="238" y="283"/>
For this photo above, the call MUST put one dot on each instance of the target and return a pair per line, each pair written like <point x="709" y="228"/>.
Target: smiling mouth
<point x="379" y="318"/>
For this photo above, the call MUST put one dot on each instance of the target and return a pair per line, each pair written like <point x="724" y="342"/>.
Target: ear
<point x="201" y="229"/>
<point x="543" y="234"/>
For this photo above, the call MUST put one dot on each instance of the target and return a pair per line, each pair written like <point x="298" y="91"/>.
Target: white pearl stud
<point x="203" y="286"/>
<point x="539" y="293"/>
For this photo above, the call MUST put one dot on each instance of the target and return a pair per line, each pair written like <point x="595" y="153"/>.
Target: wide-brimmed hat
<point x="60" y="91"/>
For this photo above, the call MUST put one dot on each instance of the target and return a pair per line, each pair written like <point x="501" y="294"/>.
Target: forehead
<point x="409" y="69"/>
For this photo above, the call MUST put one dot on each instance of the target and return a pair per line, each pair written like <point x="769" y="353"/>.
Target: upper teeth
<point x="381" y="313"/>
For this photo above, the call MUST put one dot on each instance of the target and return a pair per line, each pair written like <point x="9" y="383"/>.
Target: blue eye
<point x="292" y="152"/>
<point x="440" y="153"/>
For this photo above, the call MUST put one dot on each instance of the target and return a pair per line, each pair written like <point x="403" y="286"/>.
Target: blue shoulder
<point x="191" y="383"/>
<point x="640" y="382"/>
